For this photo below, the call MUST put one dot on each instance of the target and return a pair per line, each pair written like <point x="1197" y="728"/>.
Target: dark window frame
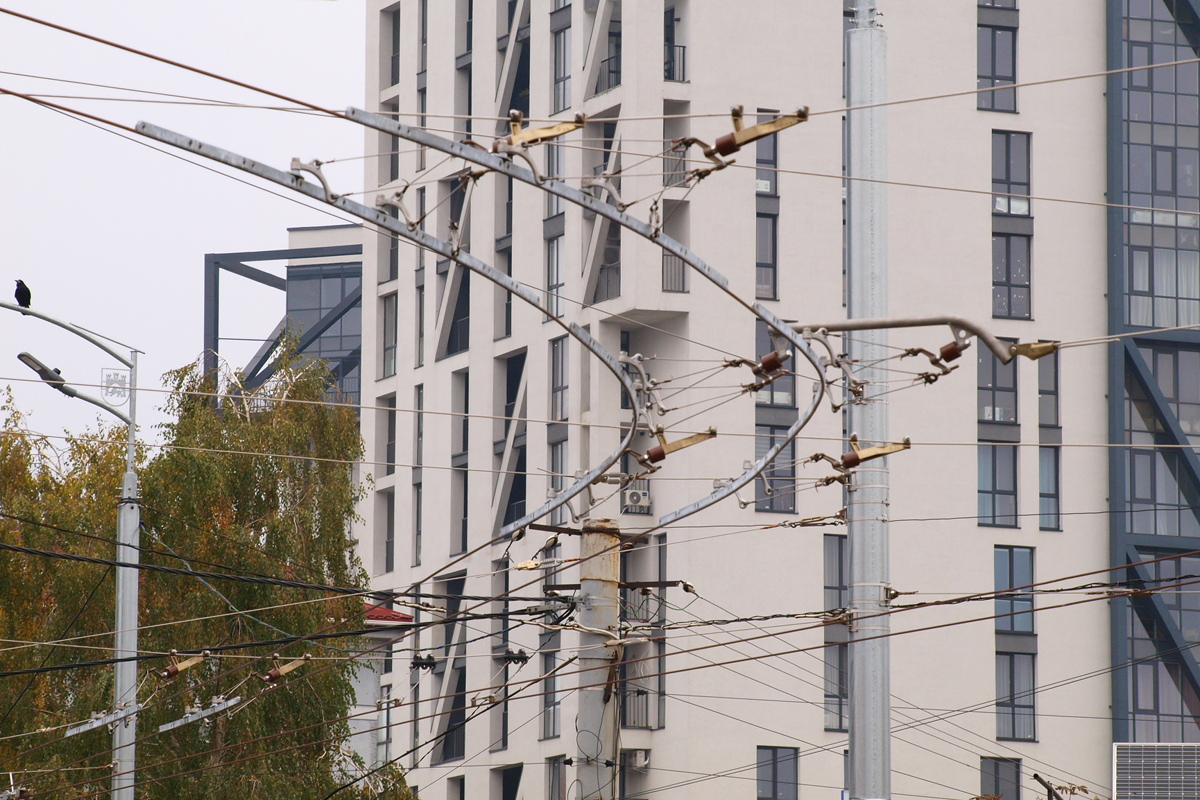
<point x="1013" y="567"/>
<point x="1011" y="704"/>
<point x="777" y="773"/>
<point x="1011" y="173"/>
<point x="1012" y="292"/>
<point x="780" y="474"/>
<point x="991" y="490"/>
<point x="996" y="44"/>
<point x="996" y="381"/>
<point x="766" y="276"/>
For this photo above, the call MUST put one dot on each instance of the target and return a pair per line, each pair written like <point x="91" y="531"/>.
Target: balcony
<point x="674" y="273"/>
<point x="610" y="74"/>
<point x="675" y="63"/>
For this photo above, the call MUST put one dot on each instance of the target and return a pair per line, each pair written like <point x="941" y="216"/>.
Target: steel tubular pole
<point x="867" y="504"/>
<point x="599" y="572"/>
<point x="128" y="534"/>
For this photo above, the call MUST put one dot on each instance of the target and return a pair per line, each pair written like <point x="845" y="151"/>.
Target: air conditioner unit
<point x="635" y="498"/>
<point x="638" y="759"/>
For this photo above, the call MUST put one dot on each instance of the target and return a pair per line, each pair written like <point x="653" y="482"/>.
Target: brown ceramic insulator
<point x="850" y="460"/>
<point x="726" y="145"/>
<point x="951" y="351"/>
<point x="656" y="454"/>
<point x="771" y="362"/>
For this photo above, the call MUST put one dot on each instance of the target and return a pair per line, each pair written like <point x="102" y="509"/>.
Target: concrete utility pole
<point x="124" y="713"/>
<point x="867" y="507"/>
<point x="128" y="534"/>
<point x="599" y="574"/>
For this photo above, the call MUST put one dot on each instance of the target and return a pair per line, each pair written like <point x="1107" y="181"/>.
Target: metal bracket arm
<point x="178" y="666"/>
<point x="313" y="168"/>
<point x="665" y="448"/>
<point x="857" y="454"/>
<point x="959" y="327"/>
<point x="279" y="670"/>
<point x="526" y="136"/>
<point x="732" y="142"/>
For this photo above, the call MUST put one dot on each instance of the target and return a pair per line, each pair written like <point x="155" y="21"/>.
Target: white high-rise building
<point x="1060" y="212"/>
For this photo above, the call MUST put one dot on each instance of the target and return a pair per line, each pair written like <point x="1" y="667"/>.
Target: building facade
<point x="1059" y="212"/>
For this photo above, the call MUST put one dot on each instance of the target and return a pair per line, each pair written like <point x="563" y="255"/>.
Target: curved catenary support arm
<point x="446" y="250"/>
<point x="504" y="166"/>
<point x="958" y="326"/>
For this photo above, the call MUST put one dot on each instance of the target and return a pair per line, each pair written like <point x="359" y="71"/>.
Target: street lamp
<point x="128" y="532"/>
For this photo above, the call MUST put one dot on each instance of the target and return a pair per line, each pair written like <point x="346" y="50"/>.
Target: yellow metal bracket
<point x="519" y="136"/>
<point x="732" y="142"/>
<point x="279" y="670"/>
<point x="178" y="666"/>
<point x="1033" y="350"/>
<point x="665" y="448"/>
<point x="857" y="454"/>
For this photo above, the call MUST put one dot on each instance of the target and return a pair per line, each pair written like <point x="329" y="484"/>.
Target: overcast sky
<point x="111" y="235"/>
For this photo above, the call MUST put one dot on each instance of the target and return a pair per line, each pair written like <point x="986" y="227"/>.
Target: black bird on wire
<point x="23" y="294"/>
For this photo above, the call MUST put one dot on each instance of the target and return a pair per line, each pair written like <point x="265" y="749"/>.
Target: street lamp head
<point x="50" y="376"/>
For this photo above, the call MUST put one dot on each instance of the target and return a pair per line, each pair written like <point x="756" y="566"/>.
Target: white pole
<point x="128" y="534"/>
<point x="867" y="506"/>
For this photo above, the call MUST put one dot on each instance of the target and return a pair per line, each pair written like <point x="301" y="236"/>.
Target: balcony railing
<point x="610" y="74"/>
<point x="674" y="165"/>
<point x="675" y="63"/>
<point x="674" y="274"/>
<point x="608" y="283"/>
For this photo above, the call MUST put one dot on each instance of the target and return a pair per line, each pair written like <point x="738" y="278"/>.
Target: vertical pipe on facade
<point x="867" y="504"/>
<point x="1117" y="457"/>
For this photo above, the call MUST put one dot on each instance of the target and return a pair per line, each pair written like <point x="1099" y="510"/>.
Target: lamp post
<point x="128" y="534"/>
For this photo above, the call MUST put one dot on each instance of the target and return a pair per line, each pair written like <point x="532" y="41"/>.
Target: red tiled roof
<point x="381" y="615"/>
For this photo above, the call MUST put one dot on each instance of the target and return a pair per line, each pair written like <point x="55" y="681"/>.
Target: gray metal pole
<point x="599" y="573"/>
<point x="128" y="534"/>
<point x="867" y="506"/>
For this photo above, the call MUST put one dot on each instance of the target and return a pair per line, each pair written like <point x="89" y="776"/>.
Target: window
<point x="459" y="543"/>
<point x="1000" y="777"/>
<point x="1014" y="696"/>
<point x="558" y="379"/>
<point x="389" y="335"/>
<point x="837" y="593"/>
<point x="417" y="510"/>
<point x="998" y="485"/>
<point x="556" y="778"/>
<point x="422" y="108"/>
<point x="1048" y="391"/>
<point x="459" y="337"/>
<point x="558" y="478"/>
<point x="1014" y="569"/>
<point x="419" y="425"/>
<point x="1010" y="276"/>
<point x="562" y="71"/>
<point x="775" y="490"/>
<point x="766" y="159"/>
<point x="674" y="55"/>
<point x="997" y="388"/>
<point x="393" y="268"/>
<point x="384" y="733"/>
<point x="554" y="276"/>
<point x="454" y="744"/>
<point x="554" y="169"/>
<point x="997" y="66"/>
<point x="1010" y="173"/>
<point x="551" y="701"/>
<point x="423" y="22"/>
<point x="778" y="773"/>
<point x="781" y="392"/>
<point x="394" y="17"/>
<point x="389" y="531"/>
<point x="837" y="695"/>
<point x="389" y="449"/>
<point x="1049" y="518"/>
<point x="420" y="320"/>
<point x="765" y="239"/>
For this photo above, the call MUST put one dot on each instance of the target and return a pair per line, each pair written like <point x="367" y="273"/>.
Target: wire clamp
<point x="313" y="168"/>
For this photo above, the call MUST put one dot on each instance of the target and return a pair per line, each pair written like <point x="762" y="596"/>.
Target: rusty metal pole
<point x="599" y="573"/>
